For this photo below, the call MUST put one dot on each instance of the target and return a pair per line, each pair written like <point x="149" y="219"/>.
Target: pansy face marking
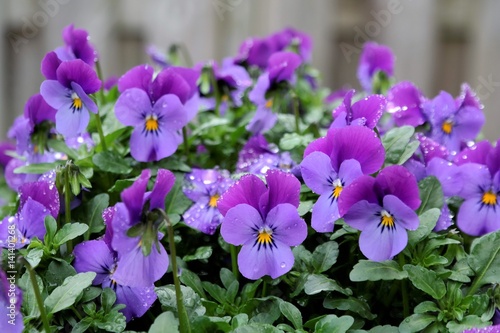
<point x="264" y="237"/>
<point x="447" y="126"/>
<point x="213" y="200"/>
<point x="337" y="188"/>
<point x="489" y="198"/>
<point x="151" y="124"/>
<point x="77" y="103"/>
<point x="386" y="221"/>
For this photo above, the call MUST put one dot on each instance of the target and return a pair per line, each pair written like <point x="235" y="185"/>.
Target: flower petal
<point x="131" y="107"/>
<point x="317" y="172"/>
<point x="370" y="109"/>
<point x="49" y="65"/>
<point x="404" y="215"/>
<point x="138" y="300"/>
<point x="283" y="187"/>
<point x="362" y="214"/>
<point x="32" y="219"/>
<point x="358" y="190"/>
<point x="404" y="101"/>
<point x="79" y="72"/>
<point x="398" y="181"/>
<point x="203" y="218"/>
<point x="274" y="261"/>
<point x="165" y="180"/>
<point x="43" y="192"/>
<point x="247" y="190"/>
<point x="288" y="227"/>
<point x="94" y="256"/>
<point x="380" y="245"/>
<point x="241" y="224"/>
<point x="55" y="94"/>
<point x="477" y="220"/>
<point x="133" y="196"/>
<point x="71" y="123"/>
<point x="87" y="101"/>
<point x="140" y="77"/>
<point x="324" y="213"/>
<point x="171" y="113"/>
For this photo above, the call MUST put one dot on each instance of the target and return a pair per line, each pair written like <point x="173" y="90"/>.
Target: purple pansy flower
<point x="290" y="37"/>
<point x="155" y="108"/>
<point x="204" y="187"/>
<point x="257" y="157"/>
<point x="365" y="112"/>
<point x="138" y="269"/>
<point x="6" y="146"/>
<point x="265" y="221"/>
<point x="335" y="161"/>
<point x="98" y="256"/>
<point x="374" y="58"/>
<point x="69" y="95"/>
<point x="77" y="46"/>
<point x="157" y="57"/>
<point x="383" y="208"/>
<point x="37" y="200"/>
<point x="488" y="329"/>
<point x="452" y="124"/>
<point x="404" y="101"/>
<point x="10" y="303"/>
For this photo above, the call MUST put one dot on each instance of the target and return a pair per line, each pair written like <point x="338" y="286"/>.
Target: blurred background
<point x="438" y="44"/>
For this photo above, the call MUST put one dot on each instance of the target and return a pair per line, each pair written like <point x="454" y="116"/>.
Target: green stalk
<point x="101" y="102"/>
<point x="67" y="204"/>
<point x="295" y="105"/>
<point x="38" y="296"/>
<point x="184" y="325"/>
<point x="217" y="95"/>
<point x="186" y="145"/>
<point x="264" y="289"/>
<point x="234" y="260"/>
<point x="404" y="290"/>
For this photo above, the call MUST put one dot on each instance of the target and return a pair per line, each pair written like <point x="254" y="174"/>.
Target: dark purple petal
<point x="133" y="196"/>
<point x="477" y="220"/>
<point x="37" y="110"/>
<point x="55" y="94"/>
<point x="358" y="190"/>
<point x="468" y="98"/>
<point x="168" y="81"/>
<point x="131" y="107"/>
<point x="404" y="102"/>
<point x="478" y="153"/>
<point x="79" y="72"/>
<point x="138" y="77"/>
<point x="287" y="225"/>
<point x="469" y="121"/>
<point x="324" y="213"/>
<point x="108" y="215"/>
<point x="374" y="57"/>
<point x="370" y="109"/>
<point x="283" y="187"/>
<point x="445" y="219"/>
<point x="398" y="181"/>
<point x="430" y="148"/>
<point x="94" y="256"/>
<point x="317" y="172"/>
<point x="254" y="263"/>
<point x="12" y="321"/>
<point x="380" y="245"/>
<point x="323" y="145"/>
<point x="345" y="106"/>
<point x="31" y="219"/>
<point x="359" y="143"/>
<point x="77" y="40"/>
<point x="363" y="214"/>
<point x="282" y="65"/>
<point x="241" y="224"/>
<point x="6" y="146"/>
<point x="165" y="180"/>
<point x="21" y="131"/>
<point x="191" y="76"/>
<point x="247" y="190"/>
<point x="403" y="215"/>
<point x="493" y="159"/>
<point x="49" y="66"/>
<point x="203" y="218"/>
<point x="43" y="192"/>
<point x="256" y="51"/>
<point x="136" y="270"/>
<point x="138" y="300"/>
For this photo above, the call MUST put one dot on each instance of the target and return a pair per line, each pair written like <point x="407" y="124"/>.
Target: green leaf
<point x="176" y="202"/>
<point x="164" y="320"/>
<point x="34" y="257"/>
<point x="91" y="213"/>
<point x="108" y="299"/>
<point x="484" y="259"/>
<point x="227" y="277"/>
<point x="262" y="310"/>
<point x="121" y="184"/>
<point x="431" y="194"/>
<point x="65" y="295"/>
<point x="426" y="280"/>
<point x="60" y="146"/>
<point x="69" y="232"/>
<point x="350" y="304"/>
<point x="305" y="207"/>
<point x="317" y="283"/>
<point x="291" y="313"/>
<point x="51" y="228"/>
<point x="38" y="168"/>
<point x="426" y="306"/>
<point x="334" y="324"/>
<point x="290" y="141"/>
<point x="113" y="321"/>
<point x="408" y="152"/>
<point x="90" y="294"/>
<point x="111" y="162"/>
<point x="427" y="222"/>
<point x="467" y="323"/>
<point x="83" y="325"/>
<point x="191" y="300"/>
<point x="395" y="142"/>
<point x="217" y="293"/>
<point x="29" y="303"/>
<point x="192" y="280"/>
<point x="325" y="256"/>
<point x="203" y="252"/>
<point x="416" y="323"/>
<point x="239" y="320"/>
<point x="57" y="272"/>
<point x="257" y="328"/>
<point x="366" y="270"/>
<point x="214" y="122"/>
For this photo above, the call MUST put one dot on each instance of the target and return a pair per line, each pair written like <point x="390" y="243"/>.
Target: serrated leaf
<point x="164" y="320"/>
<point x="69" y="232"/>
<point x="431" y="194"/>
<point x="317" y="283"/>
<point x="426" y="280"/>
<point x="366" y="270"/>
<point x="325" y="256"/>
<point x="65" y="295"/>
<point x="291" y="313"/>
<point x="484" y="259"/>
<point x="395" y="142"/>
<point x="111" y="162"/>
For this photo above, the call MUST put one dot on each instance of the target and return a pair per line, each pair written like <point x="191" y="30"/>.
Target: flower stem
<point x="295" y="106"/>
<point x="217" y="94"/>
<point x="264" y="289"/>
<point x="38" y="296"/>
<point x="404" y="290"/>
<point x="186" y="145"/>
<point x="234" y="260"/>
<point x="101" y="102"/>
<point x="183" y="317"/>
<point x="67" y="203"/>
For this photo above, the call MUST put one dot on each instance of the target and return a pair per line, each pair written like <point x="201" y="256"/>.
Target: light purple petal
<point x="476" y="220"/>
<point x="258" y="94"/>
<point x="445" y="219"/>
<point x="362" y="214"/>
<point x="140" y="77"/>
<point x="478" y="153"/>
<point x="430" y="148"/>
<point x="493" y="159"/>
<point x="148" y="147"/>
<point x="43" y="192"/>
<point x="469" y="121"/>
<point x="79" y="72"/>
<point x="254" y="263"/>
<point x="349" y="171"/>
<point x="202" y="217"/>
<point x="404" y="215"/>
<point x="247" y="190"/>
<point x="358" y="190"/>
<point x="55" y="94"/>
<point x="439" y="109"/>
<point x="288" y="227"/>
<point x="380" y="245"/>
<point x="120" y="224"/>
<point x="133" y="196"/>
<point x="138" y="300"/>
<point x="398" y="181"/>
<point x="87" y="101"/>
<point x="31" y="219"/>
<point x="263" y="120"/>
<point x="448" y="174"/>
<point x="404" y="102"/>
<point x="241" y="224"/>
<point x="94" y="256"/>
<point x="474" y="177"/>
<point x="131" y="107"/>
<point x="165" y="180"/>
<point x="317" y="172"/>
<point x="71" y="123"/>
<point x="324" y="213"/>
<point x="171" y="113"/>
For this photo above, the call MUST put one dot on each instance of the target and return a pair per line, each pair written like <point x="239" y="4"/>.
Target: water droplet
<point x="282" y="265"/>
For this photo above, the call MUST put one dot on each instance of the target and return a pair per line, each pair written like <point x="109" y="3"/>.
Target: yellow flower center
<point x="213" y="200"/>
<point x="337" y="188"/>
<point x="386" y="220"/>
<point x="447" y="127"/>
<point x="224" y="98"/>
<point x="269" y="103"/>
<point x="489" y="198"/>
<point x="265" y="236"/>
<point x="77" y="102"/>
<point x="152" y="123"/>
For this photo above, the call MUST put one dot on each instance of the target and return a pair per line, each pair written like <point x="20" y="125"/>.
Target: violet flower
<point x="77" y="46"/>
<point x="69" y="95"/>
<point x="335" y="161"/>
<point x="6" y="146"/>
<point x="404" y="102"/>
<point x="264" y="220"/>
<point x="205" y="187"/>
<point x="99" y="257"/>
<point x="10" y="303"/>
<point x="365" y="112"/>
<point x="452" y="124"/>
<point x="383" y="208"/>
<point x="488" y="329"/>
<point x="155" y="109"/>
<point x="374" y="58"/>
<point x="143" y="258"/>
<point x="37" y="200"/>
